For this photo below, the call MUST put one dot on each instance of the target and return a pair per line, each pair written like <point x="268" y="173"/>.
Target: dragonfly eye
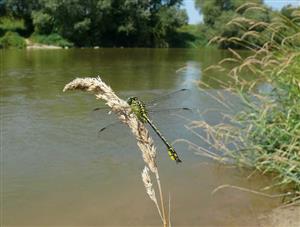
<point x="131" y="99"/>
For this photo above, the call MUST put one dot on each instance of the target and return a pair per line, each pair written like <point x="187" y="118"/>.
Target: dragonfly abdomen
<point x="171" y="151"/>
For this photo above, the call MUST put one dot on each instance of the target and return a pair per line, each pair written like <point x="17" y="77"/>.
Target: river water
<point x="57" y="171"/>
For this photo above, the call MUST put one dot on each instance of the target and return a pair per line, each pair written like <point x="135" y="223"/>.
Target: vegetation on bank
<point x="129" y="23"/>
<point x="52" y="39"/>
<point x="105" y="23"/>
<point x="12" y="39"/>
<point x="10" y="30"/>
<point x="265" y="135"/>
<point x="190" y="36"/>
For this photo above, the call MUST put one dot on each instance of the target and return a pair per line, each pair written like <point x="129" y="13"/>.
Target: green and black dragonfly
<point x="142" y="110"/>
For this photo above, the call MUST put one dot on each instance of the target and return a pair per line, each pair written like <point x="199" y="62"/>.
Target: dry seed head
<point x="148" y="184"/>
<point x="249" y="4"/>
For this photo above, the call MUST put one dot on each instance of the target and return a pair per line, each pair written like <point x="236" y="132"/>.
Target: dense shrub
<point x="12" y="40"/>
<point x="52" y="39"/>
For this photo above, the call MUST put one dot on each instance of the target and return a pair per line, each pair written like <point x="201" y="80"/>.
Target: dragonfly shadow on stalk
<point x="144" y="112"/>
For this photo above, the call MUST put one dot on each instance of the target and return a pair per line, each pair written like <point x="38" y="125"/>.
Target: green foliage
<point x="11" y="24"/>
<point x="212" y="9"/>
<point x="288" y="10"/>
<point x="12" y="40"/>
<point x="52" y="39"/>
<point x="189" y="36"/>
<point x="169" y="18"/>
<point x="22" y="10"/>
<point x="43" y="22"/>
<point x="2" y="7"/>
<point x="102" y="22"/>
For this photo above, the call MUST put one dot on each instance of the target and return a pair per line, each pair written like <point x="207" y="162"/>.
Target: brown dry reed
<point x="144" y="141"/>
<point x="265" y="134"/>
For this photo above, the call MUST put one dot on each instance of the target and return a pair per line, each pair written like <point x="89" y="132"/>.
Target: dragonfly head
<point x="132" y="100"/>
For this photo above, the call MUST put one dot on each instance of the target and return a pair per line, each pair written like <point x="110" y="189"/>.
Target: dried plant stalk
<point x="124" y="113"/>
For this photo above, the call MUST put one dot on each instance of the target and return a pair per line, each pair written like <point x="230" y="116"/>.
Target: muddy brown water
<point x="56" y="170"/>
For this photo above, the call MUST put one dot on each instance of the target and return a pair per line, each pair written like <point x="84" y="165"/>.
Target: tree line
<point x="148" y="23"/>
<point x="125" y="23"/>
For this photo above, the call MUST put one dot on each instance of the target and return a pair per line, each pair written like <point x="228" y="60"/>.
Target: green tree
<point x="2" y="8"/>
<point x="213" y="9"/>
<point x="22" y="10"/>
<point x="289" y="10"/>
<point x="217" y="14"/>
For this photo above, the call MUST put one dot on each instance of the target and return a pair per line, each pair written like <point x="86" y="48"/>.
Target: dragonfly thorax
<point x="138" y="108"/>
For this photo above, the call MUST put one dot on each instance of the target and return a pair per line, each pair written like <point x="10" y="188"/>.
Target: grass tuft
<point x="265" y="134"/>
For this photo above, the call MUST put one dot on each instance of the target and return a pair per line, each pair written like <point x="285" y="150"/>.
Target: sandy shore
<point x="31" y="45"/>
<point x="282" y="217"/>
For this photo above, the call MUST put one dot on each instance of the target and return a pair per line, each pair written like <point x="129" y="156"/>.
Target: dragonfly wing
<point x="108" y="127"/>
<point x="169" y="97"/>
<point x="116" y="133"/>
<point x="108" y="124"/>
<point x="102" y="108"/>
<point x="169" y="110"/>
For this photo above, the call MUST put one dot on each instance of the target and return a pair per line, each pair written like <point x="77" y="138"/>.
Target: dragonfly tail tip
<point x="178" y="161"/>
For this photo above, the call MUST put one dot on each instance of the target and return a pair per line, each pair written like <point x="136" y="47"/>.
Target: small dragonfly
<point x="140" y="109"/>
